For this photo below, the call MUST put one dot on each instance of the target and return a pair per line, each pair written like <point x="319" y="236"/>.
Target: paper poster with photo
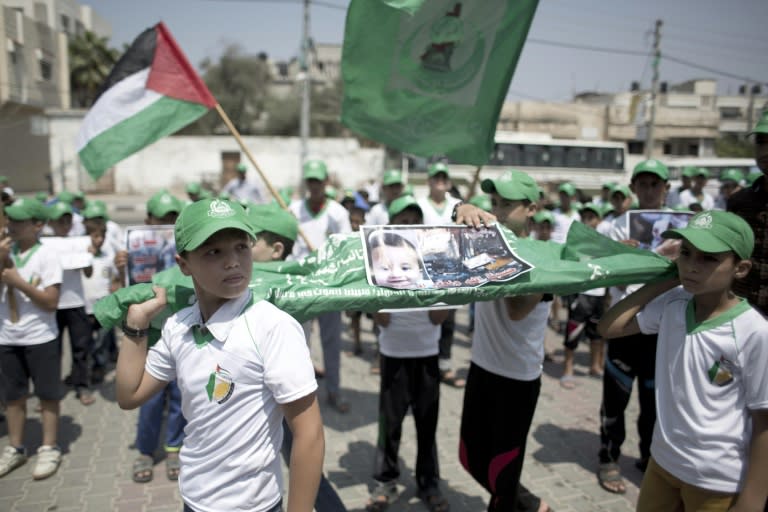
<point x="150" y="250"/>
<point x="72" y="251"/>
<point x="419" y="257"/>
<point x="646" y="226"/>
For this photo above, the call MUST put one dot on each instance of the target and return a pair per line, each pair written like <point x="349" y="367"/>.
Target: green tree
<point x="90" y="61"/>
<point x="733" y="147"/>
<point x="239" y="82"/>
<point x="284" y="114"/>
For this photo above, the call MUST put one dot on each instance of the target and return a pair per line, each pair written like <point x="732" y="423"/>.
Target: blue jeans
<point x="151" y="419"/>
<point x="327" y="500"/>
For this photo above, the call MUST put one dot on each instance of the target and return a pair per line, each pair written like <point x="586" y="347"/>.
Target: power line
<point x="712" y="70"/>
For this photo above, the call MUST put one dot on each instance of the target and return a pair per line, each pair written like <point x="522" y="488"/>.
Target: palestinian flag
<point x="152" y="91"/>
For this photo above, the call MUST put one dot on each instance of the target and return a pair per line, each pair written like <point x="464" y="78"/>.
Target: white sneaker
<point x="10" y="459"/>
<point x="48" y="460"/>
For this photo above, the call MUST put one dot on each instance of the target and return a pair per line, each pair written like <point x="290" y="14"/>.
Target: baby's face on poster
<point x="396" y="267"/>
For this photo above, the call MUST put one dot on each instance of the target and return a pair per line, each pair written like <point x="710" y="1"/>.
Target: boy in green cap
<point x="240" y="188"/>
<point x="709" y="443"/>
<point x="392" y="184"/>
<point x="242" y="365"/>
<point x="731" y="181"/>
<point x="686" y="179"/>
<point x="507" y="352"/>
<point x="696" y="194"/>
<point x="31" y="278"/>
<point x="751" y="203"/>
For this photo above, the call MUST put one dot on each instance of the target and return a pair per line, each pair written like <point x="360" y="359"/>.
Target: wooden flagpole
<point x="272" y="190"/>
<point x="475" y="181"/>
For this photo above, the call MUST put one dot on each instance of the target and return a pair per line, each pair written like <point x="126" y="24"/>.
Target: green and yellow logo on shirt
<point x="220" y="385"/>
<point x="720" y="373"/>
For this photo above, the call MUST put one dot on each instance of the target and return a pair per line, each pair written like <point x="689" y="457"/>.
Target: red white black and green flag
<point x="152" y="91"/>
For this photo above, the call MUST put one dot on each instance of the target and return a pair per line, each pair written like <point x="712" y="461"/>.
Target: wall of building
<point x="24" y="156"/>
<point x="173" y="161"/>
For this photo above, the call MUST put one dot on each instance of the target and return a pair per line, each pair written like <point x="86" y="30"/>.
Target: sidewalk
<point x="560" y="466"/>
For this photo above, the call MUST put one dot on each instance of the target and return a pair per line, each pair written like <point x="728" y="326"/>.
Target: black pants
<point x="79" y="326"/>
<point x="628" y="358"/>
<point x="414" y="383"/>
<point x="446" y="339"/>
<point x="495" y="421"/>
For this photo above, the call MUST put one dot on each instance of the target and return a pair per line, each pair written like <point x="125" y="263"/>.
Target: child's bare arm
<point x="306" y="466"/>
<point x="518" y="307"/>
<point x="755" y="490"/>
<point x="381" y="319"/>
<point x="46" y="299"/>
<point x="438" y="316"/>
<point x="620" y="321"/>
<point x="133" y="385"/>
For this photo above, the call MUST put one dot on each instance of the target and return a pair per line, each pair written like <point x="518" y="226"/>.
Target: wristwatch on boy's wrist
<point x="134" y="333"/>
<point x="455" y="211"/>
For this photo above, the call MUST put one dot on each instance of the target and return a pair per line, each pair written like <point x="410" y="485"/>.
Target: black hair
<point x="271" y="238"/>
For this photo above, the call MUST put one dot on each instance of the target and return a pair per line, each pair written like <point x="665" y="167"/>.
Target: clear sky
<point x="729" y="36"/>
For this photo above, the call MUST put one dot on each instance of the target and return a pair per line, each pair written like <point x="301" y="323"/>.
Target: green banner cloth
<point x="429" y="78"/>
<point x="333" y="278"/>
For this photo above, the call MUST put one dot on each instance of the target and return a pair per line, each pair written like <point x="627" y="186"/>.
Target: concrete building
<point x="34" y="76"/>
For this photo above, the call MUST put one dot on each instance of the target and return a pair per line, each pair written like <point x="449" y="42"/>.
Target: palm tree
<point x="90" y="61"/>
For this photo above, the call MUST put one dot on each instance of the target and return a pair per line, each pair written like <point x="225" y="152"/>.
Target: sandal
<point x="172" y="466"/>
<point x="567" y="382"/>
<point x="610" y="479"/>
<point x="142" y="469"/>
<point x="382" y="496"/>
<point x="434" y="500"/>
<point x="449" y="377"/>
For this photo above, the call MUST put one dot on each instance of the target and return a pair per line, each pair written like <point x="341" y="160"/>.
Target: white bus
<point x="586" y="164"/>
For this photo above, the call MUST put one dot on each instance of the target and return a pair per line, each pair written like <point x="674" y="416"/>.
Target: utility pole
<point x="654" y="88"/>
<point x="306" y="83"/>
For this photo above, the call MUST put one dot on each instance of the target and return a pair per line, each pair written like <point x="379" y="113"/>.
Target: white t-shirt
<point x="35" y="326"/>
<point x="563" y="221"/>
<point x="687" y="198"/>
<point x="512" y="349"/>
<point x="104" y="272"/>
<point x="231" y="388"/>
<point x="438" y="217"/>
<point x="72" y="294"/>
<point x="245" y="190"/>
<point x="409" y="334"/>
<point x="332" y="219"/>
<point x="709" y="377"/>
<point x="377" y="215"/>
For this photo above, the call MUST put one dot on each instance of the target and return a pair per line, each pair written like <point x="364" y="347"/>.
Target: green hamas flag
<point x="333" y="278"/>
<point x="429" y="78"/>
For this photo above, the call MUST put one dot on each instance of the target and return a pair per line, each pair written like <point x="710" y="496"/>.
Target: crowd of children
<point x="230" y="363"/>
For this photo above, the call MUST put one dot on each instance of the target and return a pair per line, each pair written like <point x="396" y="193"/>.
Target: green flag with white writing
<point x="333" y="278"/>
<point x="429" y="78"/>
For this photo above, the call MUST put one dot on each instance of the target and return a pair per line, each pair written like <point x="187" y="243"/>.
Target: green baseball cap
<point x="513" y="184"/>
<point x="716" y="231"/>
<point x="26" y="209"/>
<point x="331" y="192"/>
<point x="701" y="171"/>
<point x="762" y="124"/>
<point x="78" y="194"/>
<point x="752" y="177"/>
<point x="544" y="216"/>
<point x="163" y="203"/>
<point x="437" y="168"/>
<point x="41" y="196"/>
<point x="593" y="208"/>
<point x="689" y="171"/>
<point x="65" y="196"/>
<point x="622" y="189"/>
<point x="482" y="201"/>
<point x="732" y="175"/>
<point x="567" y="188"/>
<point x="610" y="185"/>
<point x="193" y="188"/>
<point x="392" y="177"/>
<point x="58" y="209"/>
<point x="315" y="170"/>
<point x="96" y="209"/>
<point x="401" y="203"/>
<point x="652" y="166"/>
<point x="241" y="168"/>
<point x="605" y="209"/>
<point x="202" y="219"/>
<point x="272" y="218"/>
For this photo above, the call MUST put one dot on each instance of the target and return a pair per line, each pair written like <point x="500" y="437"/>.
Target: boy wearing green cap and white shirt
<point x="507" y="357"/>
<point x="710" y="442"/>
<point x="391" y="188"/>
<point x="242" y="365"/>
<point x="28" y="346"/>
<point x="320" y="217"/>
<point x="565" y="214"/>
<point x="731" y="181"/>
<point x="696" y="194"/>
<point x="240" y="188"/>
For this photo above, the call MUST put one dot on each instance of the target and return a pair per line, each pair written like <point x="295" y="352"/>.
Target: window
<point x="576" y="157"/>
<point x="636" y="147"/>
<point x="46" y="67"/>
<point x="65" y="23"/>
